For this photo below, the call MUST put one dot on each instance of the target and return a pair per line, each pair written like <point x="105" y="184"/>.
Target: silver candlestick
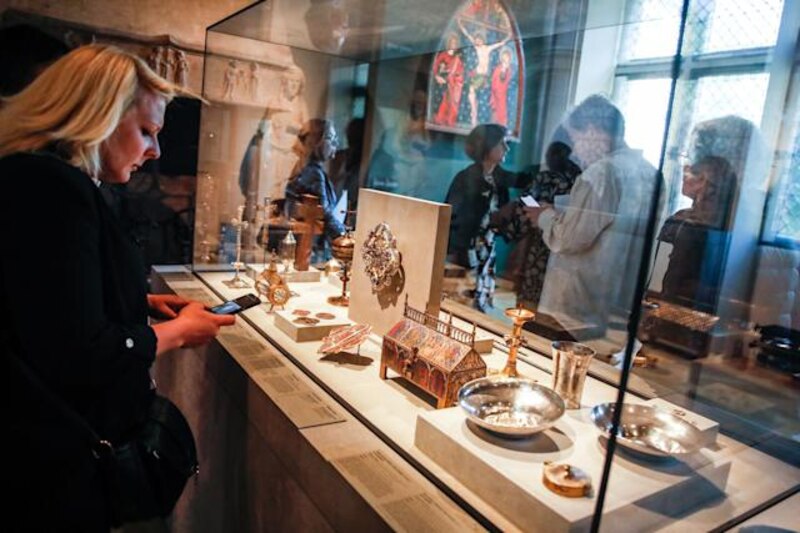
<point x="264" y="231"/>
<point x="240" y="224"/>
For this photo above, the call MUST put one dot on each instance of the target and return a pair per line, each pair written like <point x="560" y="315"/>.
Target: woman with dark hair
<point x="476" y="192"/>
<point x="700" y="234"/>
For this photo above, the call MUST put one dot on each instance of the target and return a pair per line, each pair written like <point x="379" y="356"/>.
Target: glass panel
<point x="736" y="25"/>
<point x="741" y="95"/>
<point x="261" y="97"/>
<point x="658" y="18"/>
<point x="645" y="103"/>
<point x="367" y="30"/>
<point x="590" y="162"/>
<point x="787" y="223"/>
<point x="784" y="224"/>
<point x="718" y="297"/>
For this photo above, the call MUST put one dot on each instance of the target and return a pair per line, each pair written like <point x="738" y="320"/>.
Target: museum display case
<point x="591" y="207"/>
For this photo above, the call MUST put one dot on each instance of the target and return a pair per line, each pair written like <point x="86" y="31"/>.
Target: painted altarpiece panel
<point x="472" y="82"/>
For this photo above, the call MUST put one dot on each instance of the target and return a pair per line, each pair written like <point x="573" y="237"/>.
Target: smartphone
<point x="529" y="201"/>
<point x="231" y="307"/>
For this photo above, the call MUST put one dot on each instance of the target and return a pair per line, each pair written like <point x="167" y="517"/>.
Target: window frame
<point x="789" y="130"/>
<point x="695" y="66"/>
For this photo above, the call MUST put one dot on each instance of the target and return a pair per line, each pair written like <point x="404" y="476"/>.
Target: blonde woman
<point x="73" y="301"/>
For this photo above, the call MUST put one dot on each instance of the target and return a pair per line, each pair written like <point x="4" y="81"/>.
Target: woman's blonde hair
<point x="77" y="103"/>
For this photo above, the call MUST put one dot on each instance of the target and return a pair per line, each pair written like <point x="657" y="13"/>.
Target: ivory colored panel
<point x="421" y="229"/>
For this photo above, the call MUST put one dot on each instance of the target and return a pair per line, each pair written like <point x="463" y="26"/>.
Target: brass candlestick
<point x="518" y="316"/>
<point x="342" y="249"/>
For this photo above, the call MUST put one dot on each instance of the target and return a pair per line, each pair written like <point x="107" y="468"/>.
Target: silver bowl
<point x="649" y="430"/>
<point x="512" y="407"/>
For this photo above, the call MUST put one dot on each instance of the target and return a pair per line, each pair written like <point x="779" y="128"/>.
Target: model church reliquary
<point x="431" y="353"/>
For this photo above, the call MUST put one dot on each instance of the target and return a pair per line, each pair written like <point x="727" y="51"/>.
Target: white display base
<point x="509" y="473"/>
<point x="295" y="276"/>
<point x="284" y="320"/>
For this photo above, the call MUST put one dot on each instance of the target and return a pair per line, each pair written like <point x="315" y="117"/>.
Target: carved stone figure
<point x="170" y="63"/>
<point x="161" y="61"/>
<point x="253" y="79"/>
<point x="285" y="114"/>
<point x="182" y="68"/>
<point x="154" y="58"/>
<point x="230" y="80"/>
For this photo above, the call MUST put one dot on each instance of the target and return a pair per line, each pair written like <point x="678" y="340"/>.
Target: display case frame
<point x="555" y="34"/>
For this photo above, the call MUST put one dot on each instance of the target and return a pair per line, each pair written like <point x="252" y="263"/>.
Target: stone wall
<point x="184" y="20"/>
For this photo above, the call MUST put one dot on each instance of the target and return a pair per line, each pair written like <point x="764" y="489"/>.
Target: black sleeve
<point x="515" y="180"/>
<point x="54" y="301"/>
<point x="461" y="224"/>
<point x="333" y="228"/>
<point x="523" y="180"/>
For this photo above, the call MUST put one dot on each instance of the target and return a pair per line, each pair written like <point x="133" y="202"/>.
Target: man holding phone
<point x="597" y="241"/>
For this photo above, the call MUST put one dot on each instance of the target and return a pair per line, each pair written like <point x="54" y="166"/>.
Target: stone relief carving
<point x="253" y="79"/>
<point x="182" y="69"/>
<point x="231" y="80"/>
<point x="170" y="64"/>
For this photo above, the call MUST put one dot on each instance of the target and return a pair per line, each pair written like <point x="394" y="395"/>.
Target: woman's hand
<point x="165" y="306"/>
<point x="533" y="213"/>
<point x="193" y="326"/>
<point x="200" y="325"/>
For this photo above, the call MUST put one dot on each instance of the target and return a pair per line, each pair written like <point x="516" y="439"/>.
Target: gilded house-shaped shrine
<point x="434" y="355"/>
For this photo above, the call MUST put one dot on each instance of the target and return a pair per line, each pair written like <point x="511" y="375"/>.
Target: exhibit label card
<point x="401" y="499"/>
<point x="196" y="293"/>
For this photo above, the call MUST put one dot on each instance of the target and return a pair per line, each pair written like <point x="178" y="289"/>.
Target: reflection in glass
<point x="718" y="283"/>
<point x="316" y="145"/>
<point x="550" y="186"/>
<point x="476" y="193"/>
<point x="597" y="237"/>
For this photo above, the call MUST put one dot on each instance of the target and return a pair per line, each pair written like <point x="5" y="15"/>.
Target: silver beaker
<point x="571" y="361"/>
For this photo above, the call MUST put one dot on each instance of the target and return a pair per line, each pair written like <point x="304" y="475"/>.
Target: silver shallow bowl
<point x="512" y="407"/>
<point x="649" y="430"/>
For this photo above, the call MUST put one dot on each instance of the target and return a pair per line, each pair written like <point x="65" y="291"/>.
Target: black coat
<point x="696" y="264"/>
<point x="469" y="196"/>
<point x="73" y="307"/>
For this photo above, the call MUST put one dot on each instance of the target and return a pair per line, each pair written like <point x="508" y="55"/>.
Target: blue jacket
<point x="313" y="180"/>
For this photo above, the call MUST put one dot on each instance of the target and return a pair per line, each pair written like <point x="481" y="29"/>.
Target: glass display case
<point x="625" y="170"/>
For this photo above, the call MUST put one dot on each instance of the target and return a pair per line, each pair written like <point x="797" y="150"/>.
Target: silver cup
<point x="571" y="361"/>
